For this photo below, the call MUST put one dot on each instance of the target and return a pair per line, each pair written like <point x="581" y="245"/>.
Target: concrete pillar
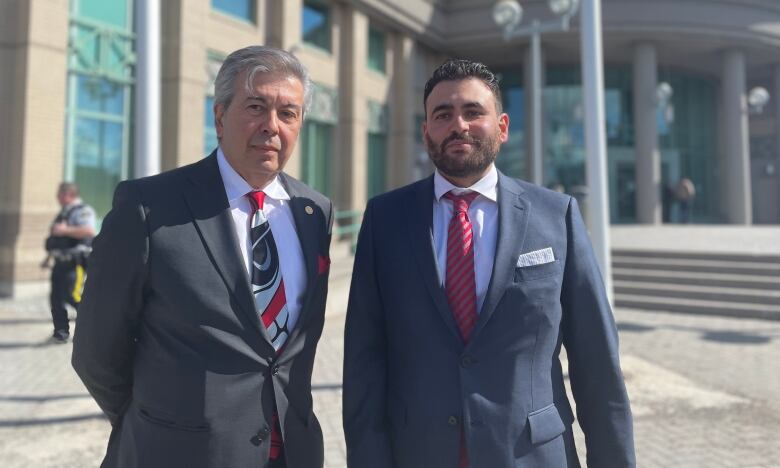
<point x="534" y="137"/>
<point x="401" y="153"/>
<point x="351" y="192"/>
<point x="735" y="171"/>
<point x="775" y="100"/>
<point x="183" y="28"/>
<point x="648" y="156"/>
<point x="33" y="77"/>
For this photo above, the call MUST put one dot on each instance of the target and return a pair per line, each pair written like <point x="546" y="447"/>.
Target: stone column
<point x="33" y="77"/>
<point x="401" y="152"/>
<point x="735" y="169"/>
<point x="351" y="192"/>
<point x="648" y="156"/>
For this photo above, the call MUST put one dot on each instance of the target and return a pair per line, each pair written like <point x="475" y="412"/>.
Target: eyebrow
<point x="265" y="101"/>
<point x="449" y="106"/>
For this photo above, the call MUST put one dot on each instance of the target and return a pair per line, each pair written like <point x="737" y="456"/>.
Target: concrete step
<point x="726" y="280"/>
<point x="697" y="265"/>
<point x="687" y="291"/>
<point x="698" y="306"/>
<point x="716" y="256"/>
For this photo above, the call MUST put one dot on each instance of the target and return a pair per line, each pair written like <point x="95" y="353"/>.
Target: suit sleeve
<point x="109" y="314"/>
<point x="591" y="341"/>
<point x="365" y="362"/>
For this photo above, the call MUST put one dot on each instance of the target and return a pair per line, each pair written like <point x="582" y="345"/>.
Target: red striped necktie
<point x="460" y="282"/>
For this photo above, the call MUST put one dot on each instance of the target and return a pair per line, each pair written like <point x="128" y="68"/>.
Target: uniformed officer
<point x="69" y="244"/>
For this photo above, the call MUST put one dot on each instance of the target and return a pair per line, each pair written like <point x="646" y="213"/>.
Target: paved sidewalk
<point x="704" y="390"/>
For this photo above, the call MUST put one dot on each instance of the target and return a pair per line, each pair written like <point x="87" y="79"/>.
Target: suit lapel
<point x="307" y="227"/>
<point x="421" y="232"/>
<point x="513" y="213"/>
<point x="210" y="210"/>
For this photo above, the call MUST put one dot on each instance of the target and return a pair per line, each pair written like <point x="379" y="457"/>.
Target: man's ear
<point x="219" y="113"/>
<point x="503" y="127"/>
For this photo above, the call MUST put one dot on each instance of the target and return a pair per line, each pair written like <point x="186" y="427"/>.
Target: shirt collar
<point x="486" y="186"/>
<point x="236" y="187"/>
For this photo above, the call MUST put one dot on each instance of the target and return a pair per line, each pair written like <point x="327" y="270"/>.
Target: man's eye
<point x="254" y="108"/>
<point x="441" y="116"/>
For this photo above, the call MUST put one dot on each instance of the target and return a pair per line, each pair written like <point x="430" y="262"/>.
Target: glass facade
<point x="99" y="103"/>
<point x="316" y="24"/>
<point x="316" y="154"/>
<point x="243" y="9"/>
<point x="511" y="159"/>
<point x="376" y="50"/>
<point x="210" y="142"/>
<point x="687" y="138"/>
<point x="376" y="175"/>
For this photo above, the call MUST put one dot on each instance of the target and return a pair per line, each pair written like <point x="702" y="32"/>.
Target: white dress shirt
<point x="276" y="208"/>
<point x="483" y="214"/>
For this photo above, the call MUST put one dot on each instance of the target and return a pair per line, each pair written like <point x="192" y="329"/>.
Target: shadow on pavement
<point x="43" y="398"/>
<point x="48" y="421"/>
<point x="634" y="327"/>
<point x="24" y="321"/>
<point x="325" y="387"/>
<point x="735" y="337"/>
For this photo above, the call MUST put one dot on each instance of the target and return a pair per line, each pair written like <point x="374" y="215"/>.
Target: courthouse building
<point x="678" y="74"/>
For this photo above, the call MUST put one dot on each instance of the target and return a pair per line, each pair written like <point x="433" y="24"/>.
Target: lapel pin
<point x="309" y="209"/>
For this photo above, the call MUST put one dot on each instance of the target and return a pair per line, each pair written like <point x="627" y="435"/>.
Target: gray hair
<point x="258" y="59"/>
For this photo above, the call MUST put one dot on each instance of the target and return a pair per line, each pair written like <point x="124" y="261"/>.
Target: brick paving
<point x="704" y="390"/>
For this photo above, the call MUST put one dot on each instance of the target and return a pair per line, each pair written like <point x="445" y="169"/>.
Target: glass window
<point x="376" y="50"/>
<point x="244" y="9"/>
<point x="316" y="24"/>
<point x="316" y="154"/>
<point x="511" y="158"/>
<point x="100" y="90"/>
<point x="376" y="177"/>
<point x="210" y="141"/>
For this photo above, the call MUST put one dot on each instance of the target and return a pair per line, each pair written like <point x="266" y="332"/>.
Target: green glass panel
<point x="376" y="50"/>
<point x="114" y="12"/>
<point x="316" y="24"/>
<point x="98" y="161"/>
<point x="99" y="95"/>
<point x="210" y="141"/>
<point x="511" y="159"/>
<point x="376" y="177"/>
<point x="316" y="153"/>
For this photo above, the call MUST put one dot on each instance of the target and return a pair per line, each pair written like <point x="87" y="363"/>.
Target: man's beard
<point x="465" y="164"/>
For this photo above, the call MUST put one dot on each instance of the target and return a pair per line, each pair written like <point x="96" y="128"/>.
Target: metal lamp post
<point x="508" y="14"/>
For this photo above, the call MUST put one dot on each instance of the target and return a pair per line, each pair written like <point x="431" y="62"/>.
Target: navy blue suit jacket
<point x="410" y="383"/>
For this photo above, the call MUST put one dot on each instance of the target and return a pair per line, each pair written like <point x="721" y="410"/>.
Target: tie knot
<point x="461" y="202"/>
<point x="256" y="198"/>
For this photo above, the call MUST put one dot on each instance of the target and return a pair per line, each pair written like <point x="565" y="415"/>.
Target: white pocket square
<point x="537" y="257"/>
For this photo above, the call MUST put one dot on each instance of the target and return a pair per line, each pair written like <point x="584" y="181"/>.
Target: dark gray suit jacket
<point x="410" y="384"/>
<point x="168" y="340"/>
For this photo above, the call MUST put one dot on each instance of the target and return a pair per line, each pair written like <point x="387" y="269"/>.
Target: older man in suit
<point x="207" y="287"/>
<point x="465" y="286"/>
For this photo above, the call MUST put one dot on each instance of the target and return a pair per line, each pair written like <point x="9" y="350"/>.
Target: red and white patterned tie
<point x="460" y="282"/>
<point x="270" y="298"/>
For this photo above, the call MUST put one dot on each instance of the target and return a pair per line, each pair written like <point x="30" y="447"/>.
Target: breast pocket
<point x="535" y="272"/>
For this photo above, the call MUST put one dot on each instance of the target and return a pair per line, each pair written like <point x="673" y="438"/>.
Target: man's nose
<point x="459" y="125"/>
<point x="271" y="125"/>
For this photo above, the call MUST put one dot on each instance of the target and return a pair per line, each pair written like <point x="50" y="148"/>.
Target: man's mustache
<point x="463" y="137"/>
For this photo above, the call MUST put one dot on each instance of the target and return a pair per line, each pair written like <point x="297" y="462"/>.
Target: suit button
<point x="275" y="370"/>
<point x="467" y="361"/>
<point x="256" y="440"/>
<point x="452" y="421"/>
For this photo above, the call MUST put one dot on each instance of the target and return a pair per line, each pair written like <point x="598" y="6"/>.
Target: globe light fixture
<point x="758" y="97"/>
<point x="507" y="14"/>
<point x="563" y="7"/>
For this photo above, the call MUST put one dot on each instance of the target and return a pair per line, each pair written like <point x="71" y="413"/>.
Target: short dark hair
<point x="68" y="187"/>
<point x="460" y="69"/>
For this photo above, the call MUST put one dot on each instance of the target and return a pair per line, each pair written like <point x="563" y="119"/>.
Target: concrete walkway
<point x="704" y="389"/>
